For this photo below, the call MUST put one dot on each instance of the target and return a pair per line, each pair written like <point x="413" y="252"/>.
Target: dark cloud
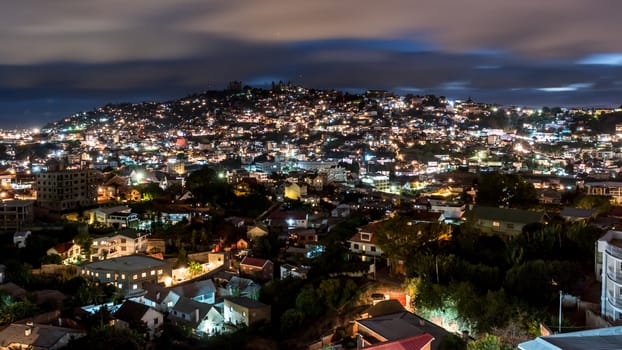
<point x="64" y="56"/>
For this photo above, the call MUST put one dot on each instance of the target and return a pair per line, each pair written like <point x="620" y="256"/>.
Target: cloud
<point x="32" y="31"/>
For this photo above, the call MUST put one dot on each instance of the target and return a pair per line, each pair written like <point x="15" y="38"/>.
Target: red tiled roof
<point x="63" y="247"/>
<point x="412" y="343"/>
<point x="357" y="238"/>
<point x="372" y="227"/>
<point x="257" y="262"/>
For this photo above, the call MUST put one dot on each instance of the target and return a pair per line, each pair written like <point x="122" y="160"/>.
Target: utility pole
<point x="559" y="329"/>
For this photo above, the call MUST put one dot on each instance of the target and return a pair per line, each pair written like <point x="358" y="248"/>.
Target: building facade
<point x="128" y="273"/>
<point x="67" y="189"/>
<point x="16" y="214"/>
<point x="609" y="270"/>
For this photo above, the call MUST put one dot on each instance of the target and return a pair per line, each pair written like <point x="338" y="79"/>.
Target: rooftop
<point x="126" y="263"/>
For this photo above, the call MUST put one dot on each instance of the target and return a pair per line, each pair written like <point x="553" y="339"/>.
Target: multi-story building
<point x="245" y="311"/>
<point x="118" y="244"/>
<point x="16" y="214"/>
<point x="118" y="216"/>
<point x="609" y="271"/>
<point x="128" y="273"/>
<point x="64" y="190"/>
<point x="609" y="189"/>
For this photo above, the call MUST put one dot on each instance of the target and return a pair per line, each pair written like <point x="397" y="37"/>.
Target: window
<point x="152" y="272"/>
<point x="510" y="226"/>
<point x="372" y="248"/>
<point x="143" y="275"/>
<point x="120" y="285"/>
<point x="365" y="237"/>
<point x="496" y="224"/>
<point x="135" y="286"/>
<point x="155" y="321"/>
<point x="159" y="272"/>
<point x="135" y="277"/>
<point x="123" y="276"/>
<point x="355" y="246"/>
<point x="108" y="275"/>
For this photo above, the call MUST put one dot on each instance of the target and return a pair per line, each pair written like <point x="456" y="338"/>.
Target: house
<point x="340" y="211"/>
<point x="305" y="236"/>
<point x="504" y="221"/>
<point x="577" y="214"/>
<point x="202" y="291"/>
<point x="157" y="296"/>
<point x="37" y="336"/>
<point x="257" y="268"/>
<point x="257" y="231"/>
<point x="417" y="342"/>
<point x="288" y="270"/>
<point x="131" y="314"/>
<point x="202" y="318"/>
<point x="119" y="243"/>
<point x="117" y="216"/>
<point x="239" y="286"/>
<point x="364" y="242"/>
<point x="243" y="310"/>
<point x="69" y="252"/>
<point x="399" y="326"/>
<point x="600" y="338"/>
<point x="607" y="189"/>
<point x="13" y="290"/>
<point x="241" y="244"/>
<point x="288" y="219"/>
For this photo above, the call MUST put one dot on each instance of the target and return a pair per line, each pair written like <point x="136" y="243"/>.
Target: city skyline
<point x="62" y="58"/>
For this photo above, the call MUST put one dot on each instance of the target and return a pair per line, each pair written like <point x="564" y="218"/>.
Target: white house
<point x="117" y="244"/>
<point x="131" y="313"/>
<point x="364" y="241"/>
<point x="609" y="271"/>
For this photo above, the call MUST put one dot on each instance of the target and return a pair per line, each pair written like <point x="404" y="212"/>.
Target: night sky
<point x="65" y="56"/>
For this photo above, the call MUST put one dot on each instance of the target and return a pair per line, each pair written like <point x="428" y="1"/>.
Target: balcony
<point x="614" y="276"/>
<point x="614" y="251"/>
<point x="615" y="303"/>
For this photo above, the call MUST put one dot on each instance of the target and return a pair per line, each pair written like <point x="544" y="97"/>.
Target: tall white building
<point x="609" y="270"/>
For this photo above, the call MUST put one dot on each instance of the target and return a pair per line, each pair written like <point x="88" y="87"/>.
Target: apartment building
<point x="65" y="190"/>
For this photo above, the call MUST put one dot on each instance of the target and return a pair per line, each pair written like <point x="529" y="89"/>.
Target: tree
<point x="488" y="342"/>
<point x="308" y="302"/>
<point x="85" y="241"/>
<point x="194" y="268"/>
<point x="509" y="190"/>
<point x="291" y="320"/>
<point x="330" y="291"/>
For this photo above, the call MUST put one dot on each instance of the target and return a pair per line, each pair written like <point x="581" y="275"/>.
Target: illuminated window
<point x="152" y="272"/>
<point x="134" y="277"/>
<point x="144" y="274"/>
<point x="108" y="275"/>
<point x="122" y="276"/>
<point x="120" y="285"/>
<point x="160" y="272"/>
<point x="135" y="286"/>
<point x="496" y="224"/>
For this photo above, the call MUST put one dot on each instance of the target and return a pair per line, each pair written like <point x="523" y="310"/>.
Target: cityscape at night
<point x="311" y="175"/>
